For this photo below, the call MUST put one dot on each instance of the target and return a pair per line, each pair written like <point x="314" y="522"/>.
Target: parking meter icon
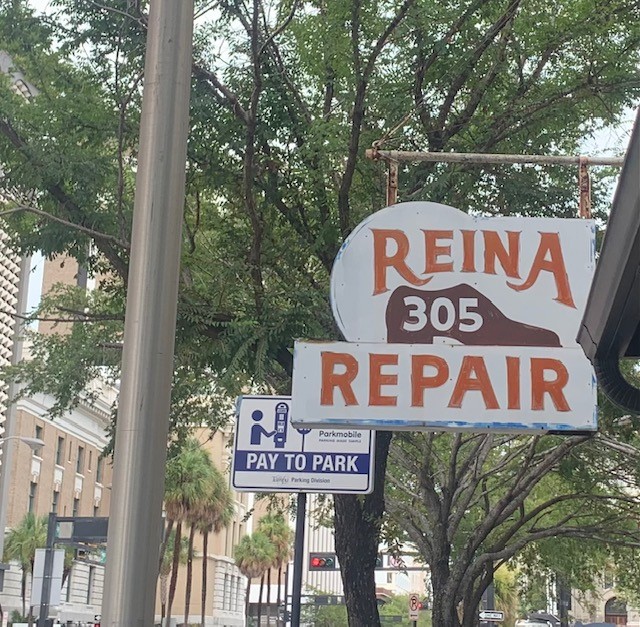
<point x="282" y="418"/>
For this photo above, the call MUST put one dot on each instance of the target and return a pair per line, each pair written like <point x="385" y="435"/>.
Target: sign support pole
<point x="298" y="556"/>
<point x="48" y="571"/>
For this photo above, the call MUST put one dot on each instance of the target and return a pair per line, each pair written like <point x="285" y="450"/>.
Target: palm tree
<point x="254" y="554"/>
<point x="188" y="479"/>
<point x="165" y="569"/>
<point x="506" y="591"/>
<point x="216" y="513"/>
<point x="275" y="527"/>
<point x="21" y="544"/>
<point x="69" y="557"/>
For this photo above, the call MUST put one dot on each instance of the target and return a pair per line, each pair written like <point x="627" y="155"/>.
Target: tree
<point x="280" y="534"/>
<point x="286" y="95"/>
<point x="254" y="554"/>
<point x="214" y="513"/>
<point x="189" y="479"/>
<point x="506" y="593"/>
<point x="166" y="567"/>
<point x="21" y="544"/>
<point x="471" y="503"/>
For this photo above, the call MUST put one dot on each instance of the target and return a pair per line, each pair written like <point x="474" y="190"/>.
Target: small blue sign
<point x="271" y="455"/>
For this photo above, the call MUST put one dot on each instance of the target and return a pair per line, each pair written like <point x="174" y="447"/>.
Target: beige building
<point x="69" y="476"/>
<point x="605" y="605"/>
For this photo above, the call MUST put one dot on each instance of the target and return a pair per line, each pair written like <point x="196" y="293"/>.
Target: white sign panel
<point x="414" y="607"/>
<point x="442" y="386"/>
<point x="491" y="615"/>
<point x="56" y="577"/>
<point x="271" y="455"/>
<point x="419" y="271"/>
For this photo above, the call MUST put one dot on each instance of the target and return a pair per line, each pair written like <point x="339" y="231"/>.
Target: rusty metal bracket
<point x="392" y="183"/>
<point x="584" y="185"/>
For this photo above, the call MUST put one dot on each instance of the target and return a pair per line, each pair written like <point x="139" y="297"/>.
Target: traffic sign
<point x="414" y="607"/>
<point x="270" y="455"/>
<point x="495" y="616"/>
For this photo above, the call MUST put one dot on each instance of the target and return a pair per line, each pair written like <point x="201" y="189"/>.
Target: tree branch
<point x="73" y="225"/>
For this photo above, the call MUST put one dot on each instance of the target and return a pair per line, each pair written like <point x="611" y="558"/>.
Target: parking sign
<point x="270" y="455"/>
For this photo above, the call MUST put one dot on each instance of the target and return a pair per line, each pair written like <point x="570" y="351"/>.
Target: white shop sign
<point x="444" y="386"/>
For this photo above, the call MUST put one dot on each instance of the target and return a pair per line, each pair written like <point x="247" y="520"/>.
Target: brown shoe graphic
<point x="462" y="313"/>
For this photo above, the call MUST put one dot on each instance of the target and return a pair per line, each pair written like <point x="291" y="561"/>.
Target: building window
<point x="33" y="489"/>
<point x="609" y="581"/>
<point x="54" y="502"/>
<point x="39" y="433"/>
<point x="225" y="593"/>
<point x="76" y="507"/>
<point x="90" y="458"/>
<point x="238" y="604"/>
<point x="80" y="460"/>
<point x="99" y="469"/>
<point x="92" y="576"/>
<point x="60" y="451"/>
<point x="389" y="577"/>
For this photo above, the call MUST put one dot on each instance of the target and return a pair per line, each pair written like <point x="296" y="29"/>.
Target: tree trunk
<point x="444" y="612"/>
<point x="279" y="593"/>
<point x="165" y="540"/>
<point x="205" y="548"/>
<point x="269" y="597"/>
<point x="472" y="599"/>
<point x="187" y="592"/>
<point x="163" y="596"/>
<point x="65" y="575"/>
<point x="174" y="570"/>
<point x="260" y="600"/>
<point x="23" y="591"/>
<point x="357" y="535"/>
<point x="246" y="600"/>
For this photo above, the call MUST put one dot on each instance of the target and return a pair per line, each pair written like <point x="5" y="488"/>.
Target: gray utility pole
<point x="150" y="321"/>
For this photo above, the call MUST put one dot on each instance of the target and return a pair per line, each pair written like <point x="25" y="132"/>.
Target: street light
<point x="33" y="443"/>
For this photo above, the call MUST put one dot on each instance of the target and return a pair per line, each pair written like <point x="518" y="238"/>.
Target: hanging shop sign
<point x="477" y="315"/>
<point x="443" y="386"/>
<point x="420" y="271"/>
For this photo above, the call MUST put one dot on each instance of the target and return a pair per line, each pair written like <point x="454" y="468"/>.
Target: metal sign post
<point x="48" y="571"/>
<point x="298" y="558"/>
